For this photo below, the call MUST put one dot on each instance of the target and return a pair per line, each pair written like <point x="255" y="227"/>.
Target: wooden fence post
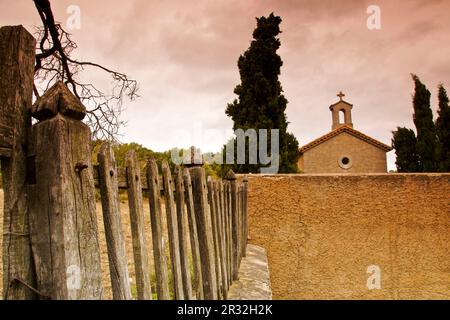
<point x="172" y="228"/>
<point x="62" y="199"/>
<point x="245" y="209"/>
<point x="182" y="233"/>
<point x="226" y="233"/>
<point x="242" y="221"/>
<point x="215" y="233"/>
<point x="109" y="191"/>
<point x="193" y="235"/>
<point x="17" y="57"/>
<point x="221" y="243"/>
<point x="229" y="232"/>
<point x="231" y="177"/>
<point x="238" y="224"/>
<point x="204" y="229"/>
<point x="141" y="262"/>
<point x="162" y="278"/>
<point x="224" y="203"/>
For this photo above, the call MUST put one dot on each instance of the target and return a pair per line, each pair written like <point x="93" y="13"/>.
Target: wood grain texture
<point x="227" y="223"/>
<point x="221" y="234"/>
<point x="215" y="233"/>
<point x="234" y="225"/>
<point x="115" y="241"/>
<point x="62" y="211"/>
<point x="172" y="228"/>
<point x="162" y="278"/>
<point x="6" y="137"/>
<point x="193" y="236"/>
<point x="17" y="57"/>
<point x="58" y="100"/>
<point x="241" y="222"/>
<point x="183" y="233"/>
<point x="122" y="179"/>
<point x="205" y="234"/>
<point x="245" y="214"/>
<point x="140" y="251"/>
<point x="229" y="232"/>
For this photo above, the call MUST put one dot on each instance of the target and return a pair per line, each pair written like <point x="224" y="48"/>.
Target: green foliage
<point x="260" y="103"/>
<point x="443" y="130"/>
<point x="142" y="153"/>
<point x="404" y="142"/>
<point x="427" y="144"/>
<point x="429" y="151"/>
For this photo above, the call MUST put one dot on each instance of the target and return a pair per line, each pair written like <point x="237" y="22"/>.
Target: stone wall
<point x="322" y="232"/>
<point x="324" y="158"/>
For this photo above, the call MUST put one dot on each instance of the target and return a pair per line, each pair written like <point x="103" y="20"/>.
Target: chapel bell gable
<point x="341" y="113"/>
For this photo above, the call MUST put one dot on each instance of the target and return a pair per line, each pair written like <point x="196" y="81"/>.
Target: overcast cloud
<point x="184" y="54"/>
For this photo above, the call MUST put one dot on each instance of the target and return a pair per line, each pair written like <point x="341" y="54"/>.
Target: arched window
<point x="341" y="116"/>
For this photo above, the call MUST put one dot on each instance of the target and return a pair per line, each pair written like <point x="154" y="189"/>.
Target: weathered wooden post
<point x="224" y="201"/>
<point x="183" y="233"/>
<point x="109" y="191"/>
<point x="245" y="209"/>
<point x="229" y="231"/>
<point x="193" y="235"/>
<point x="231" y="177"/>
<point x="172" y="228"/>
<point x="62" y="199"/>
<point x="215" y="232"/>
<point x="204" y="229"/>
<point x="220" y="235"/>
<point x="241" y="221"/>
<point x="238" y="224"/>
<point x="141" y="262"/>
<point x="159" y="253"/>
<point x="17" y="57"/>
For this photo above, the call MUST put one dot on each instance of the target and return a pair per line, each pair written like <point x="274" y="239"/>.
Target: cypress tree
<point x="404" y="142"/>
<point x="260" y="103"/>
<point x="427" y="146"/>
<point x="443" y="130"/>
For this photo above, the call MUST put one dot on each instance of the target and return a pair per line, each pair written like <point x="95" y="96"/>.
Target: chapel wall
<point x="325" y="157"/>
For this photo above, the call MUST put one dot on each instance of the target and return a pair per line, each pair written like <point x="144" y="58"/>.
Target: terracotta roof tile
<point x="350" y="131"/>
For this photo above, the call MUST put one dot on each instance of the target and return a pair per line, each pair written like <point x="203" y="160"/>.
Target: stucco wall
<point x="365" y="157"/>
<point x="322" y="232"/>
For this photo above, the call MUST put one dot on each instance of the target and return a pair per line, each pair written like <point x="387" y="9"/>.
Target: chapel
<point x="343" y="149"/>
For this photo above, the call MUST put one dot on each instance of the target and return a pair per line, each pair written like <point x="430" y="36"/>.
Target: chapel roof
<point x="349" y="130"/>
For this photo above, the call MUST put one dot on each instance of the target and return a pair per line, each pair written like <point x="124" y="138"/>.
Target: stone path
<point x="254" y="277"/>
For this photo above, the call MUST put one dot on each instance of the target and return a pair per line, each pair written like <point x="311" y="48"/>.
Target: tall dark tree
<point x="260" y="103"/>
<point x="443" y="130"/>
<point x="427" y="144"/>
<point x="404" y="142"/>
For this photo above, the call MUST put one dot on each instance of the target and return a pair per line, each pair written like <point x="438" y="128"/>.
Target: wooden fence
<point x="206" y="228"/>
<point x="51" y="248"/>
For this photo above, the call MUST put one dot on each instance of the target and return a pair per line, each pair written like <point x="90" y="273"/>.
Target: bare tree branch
<point x="54" y="63"/>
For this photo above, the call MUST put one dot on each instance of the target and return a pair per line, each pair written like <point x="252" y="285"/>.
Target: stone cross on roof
<point x="341" y="95"/>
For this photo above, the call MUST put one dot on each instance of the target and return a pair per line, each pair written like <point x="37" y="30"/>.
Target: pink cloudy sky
<point x="184" y="54"/>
